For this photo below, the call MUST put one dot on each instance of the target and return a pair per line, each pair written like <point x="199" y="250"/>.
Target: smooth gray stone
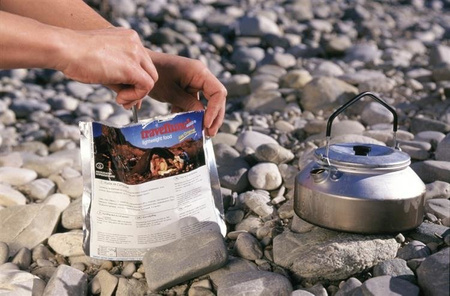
<point x="443" y="149"/>
<point x="387" y="285"/>
<point x="346" y="127"/>
<point x="440" y="207"/>
<point x="237" y="85"/>
<point x="437" y="189"/>
<point x="439" y="54"/>
<point x="234" y="265"/>
<point x="295" y="79"/>
<point x="18" y="282"/>
<point x="255" y="283"/>
<point x="39" y="189"/>
<point x="68" y="281"/>
<point x="396" y="268"/>
<point x="365" y="52"/>
<point x="312" y="256"/>
<point x="224" y="138"/>
<point x="432" y="170"/>
<point x="265" y="175"/>
<point x="264" y="101"/>
<point x="24" y="107"/>
<point x="72" y="217"/>
<point x="193" y="256"/>
<point x="420" y="124"/>
<point x="434" y="273"/>
<point x="252" y="139"/>
<point x="105" y="281"/>
<point x="67" y="243"/>
<point x="431" y="137"/>
<point x="416" y="152"/>
<point x="232" y="168"/>
<point x="426" y="233"/>
<point x="348" y="287"/>
<point x="326" y="93"/>
<point x="27" y="225"/>
<point x="273" y="153"/>
<point x="257" y="202"/>
<point x="79" y="90"/>
<point x="256" y="26"/>
<point x="128" y="269"/>
<point x="4" y="253"/>
<point x="298" y="225"/>
<point x="22" y="259"/>
<point x="327" y="68"/>
<point x="248" y="247"/>
<point x="42" y="252"/>
<point x="412" y="250"/>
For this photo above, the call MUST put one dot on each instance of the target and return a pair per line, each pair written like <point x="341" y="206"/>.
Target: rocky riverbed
<point x="286" y="65"/>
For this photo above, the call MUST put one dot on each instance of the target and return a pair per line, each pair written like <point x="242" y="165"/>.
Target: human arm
<point x="180" y="79"/>
<point x="80" y="55"/>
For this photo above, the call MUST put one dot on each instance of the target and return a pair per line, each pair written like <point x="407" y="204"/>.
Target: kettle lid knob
<point x="362" y="150"/>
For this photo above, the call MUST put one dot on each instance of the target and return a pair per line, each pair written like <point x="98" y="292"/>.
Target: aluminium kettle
<point x="361" y="188"/>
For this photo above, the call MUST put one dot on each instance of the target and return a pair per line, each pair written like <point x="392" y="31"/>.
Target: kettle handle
<point x="352" y="101"/>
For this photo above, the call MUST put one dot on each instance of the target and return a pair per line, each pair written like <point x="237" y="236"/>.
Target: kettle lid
<point x="357" y="155"/>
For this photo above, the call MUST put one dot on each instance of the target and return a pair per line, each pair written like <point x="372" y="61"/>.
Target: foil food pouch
<point x="147" y="184"/>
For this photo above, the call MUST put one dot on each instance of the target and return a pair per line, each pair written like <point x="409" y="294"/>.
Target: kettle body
<point x="361" y="188"/>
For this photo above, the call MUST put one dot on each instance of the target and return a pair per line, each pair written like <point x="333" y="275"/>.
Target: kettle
<point x="361" y="188"/>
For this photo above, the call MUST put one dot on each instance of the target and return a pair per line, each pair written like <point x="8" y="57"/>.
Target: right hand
<point x="114" y="57"/>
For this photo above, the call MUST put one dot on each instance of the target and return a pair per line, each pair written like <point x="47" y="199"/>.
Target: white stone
<point x="16" y="176"/>
<point x="10" y="197"/>
<point x="265" y="176"/>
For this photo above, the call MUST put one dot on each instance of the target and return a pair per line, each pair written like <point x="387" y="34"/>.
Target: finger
<point x="149" y="67"/>
<point x="217" y="122"/>
<point x="216" y="94"/>
<point x="183" y="101"/>
<point x="139" y="86"/>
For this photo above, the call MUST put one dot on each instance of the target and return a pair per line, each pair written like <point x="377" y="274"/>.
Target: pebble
<point x="67" y="280"/>
<point x="434" y="272"/>
<point x="72" y="217"/>
<point x="396" y="268"/>
<point x="387" y="285"/>
<point x="257" y="202"/>
<point x="412" y="250"/>
<point x="59" y="200"/>
<point x="104" y="282"/>
<point x="308" y="255"/>
<point x="248" y="247"/>
<point x="18" y="282"/>
<point x="265" y="176"/>
<point x="27" y="225"/>
<point x="22" y="259"/>
<point x="252" y="140"/>
<point x="10" y="196"/>
<point x="273" y="153"/>
<point x="128" y="269"/>
<point x="440" y="207"/>
<point x="437" y="189"/>
<point x="38" y="189"/>
<point x="443" y="149"/>
<point x="16" y="176"/>
<point x="4" y="253"/>
<point x="206" y="249"/>
<point x="348" y="287"/>
<point x="263" y="282"/>
<point x="67" y="243"/>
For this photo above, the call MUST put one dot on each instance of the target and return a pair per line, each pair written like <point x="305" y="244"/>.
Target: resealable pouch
<point x="147" y="184"/>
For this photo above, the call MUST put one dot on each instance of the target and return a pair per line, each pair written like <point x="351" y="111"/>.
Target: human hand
<point x="180" y="81"/>
<point x="114" y="57"/>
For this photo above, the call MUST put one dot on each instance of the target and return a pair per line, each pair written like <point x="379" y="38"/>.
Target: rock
<point x="59" y="200"/>
<point x="72" y="187"/>
<point x="338" y="45"/>
<point x="72" y="217"/>
<point x="347" y="127"/>
<point x="325" y="254"/>
<point x="432" y="170"/>
<point x="106" y="282"/>
<point x="131" y="287"/>
<point x="295" y="79"/>
<point x="348" y="287"/>
<point x="67" y="243"/>
<point x="4" y="253"/>
<point x="79" y="90"/>
<point x="426" y="233"/>
<point x="387" y="285"/>
<point x="27" y="225"/>
<point x="257" y="203"/>
<point x="265" y="176"/>
<point x="256" y="26"/>
<point x="42" y="252"/>
<point x="237" y="85"/>
<point x="39" y="189"/>
<point x="396" y="268"/>
<point x="365" y="52"/>
<point x="374" y="113"/>
<point x="327" y="68"/>
<point x="46" y="166"/>
<point x="326" y="93"/>
<point x="193" y="256"/>
<point x="433" y="273"/>
<point x="443" y="149"/>
<point x="67" y="281"/>
<point x="22" y="259"/>
<point x="13" y="159"/>
<point x="421" y="124"/>
<point x="264" y="101"/>
<point x="11" y="197"/>
<point x="273" y="153"/>
<point x="440" y="208"/>
<point x="234" y="265"/>
<point x="414" y="249"/>
<point x="248" y="247"/>
<point x="16" y="176"/>
<point x="128" y="269"/>
<point x="252" y="139"/>
<point x="232" y="168"/>
<point x="225" y="138"/>
<point x="255" y="282"/>
<point x="288" y="173"/>
<point x="298" y="225"/>
<point x="17" y="282"/>
<point x="431" y="137"/>
<point x="439" y="54"/>
<point x="437" y="189"/>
